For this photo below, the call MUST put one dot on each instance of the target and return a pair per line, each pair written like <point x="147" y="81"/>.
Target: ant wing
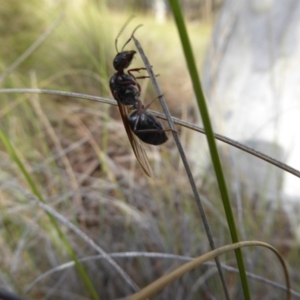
<point x="136" y="144"/>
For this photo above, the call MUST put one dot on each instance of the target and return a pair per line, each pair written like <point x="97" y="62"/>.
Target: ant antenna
<point x="121" y="30"/>
<point x="135" y="29"/>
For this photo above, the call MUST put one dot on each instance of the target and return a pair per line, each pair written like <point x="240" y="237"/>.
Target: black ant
<point x="126" y="90"/>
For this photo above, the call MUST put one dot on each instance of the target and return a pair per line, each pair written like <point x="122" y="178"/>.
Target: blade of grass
<point x="165" y="256"/>
<point x="55" y="225"/>
<point x="156" y="286"/>
<point x="184" y="161"/>
<point x="32" y="48"/>
<point x="210" y="138"/>
<point x="177" y="121"/>
<point x="60" y="218"/>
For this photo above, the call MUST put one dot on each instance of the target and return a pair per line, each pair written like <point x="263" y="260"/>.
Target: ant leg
<point x="135" y="70"/>
<point x="138" y="70"/>
<point x="141" y="108"/>
<point x="149" y="104"/>
<point x="143" y="77"/>
<point x="155" y="130"/>
<point x="128" y="82"/>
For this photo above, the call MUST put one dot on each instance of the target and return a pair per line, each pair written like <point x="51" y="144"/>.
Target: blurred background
<point x="79" y="157"/>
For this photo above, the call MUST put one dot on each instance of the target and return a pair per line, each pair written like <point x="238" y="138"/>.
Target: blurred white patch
<point x="261" y="6"/>
<point x="160" y="9"/>
<point x="252" y="82"/>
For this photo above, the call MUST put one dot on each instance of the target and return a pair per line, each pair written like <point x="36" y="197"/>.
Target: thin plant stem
<point x="177" y="121"/>
<point x="53" y="222"/>
<point x="49" y="210"/>
<point x="165" y="256"/>
<point x="184" y="160"/>
<point x="32" y="48"/>
<point x="187" y="49"/>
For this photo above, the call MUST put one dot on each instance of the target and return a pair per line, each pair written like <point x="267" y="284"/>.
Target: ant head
<point x="123" y="60"/>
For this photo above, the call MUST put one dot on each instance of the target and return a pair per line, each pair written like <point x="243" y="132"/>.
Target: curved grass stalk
<point x="187" y="49"/>
<point x="32" y="48"/>
<point x="158" y="255"/>
<point x="56" y="216"/>
<point x="185" y="163"/>
<point x="55" y="225"/>
<point x="177" y="121"/>
<point x="156" y="286"/>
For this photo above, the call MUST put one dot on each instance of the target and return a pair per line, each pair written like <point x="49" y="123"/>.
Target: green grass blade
<point x="210" y="137"/>
<point x="54" y="223"/>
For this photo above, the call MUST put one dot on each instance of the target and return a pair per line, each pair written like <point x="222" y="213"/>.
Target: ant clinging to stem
<point x="126" y="90"/>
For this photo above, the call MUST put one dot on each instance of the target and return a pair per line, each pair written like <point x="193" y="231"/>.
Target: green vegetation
<point x="76" y="154"/>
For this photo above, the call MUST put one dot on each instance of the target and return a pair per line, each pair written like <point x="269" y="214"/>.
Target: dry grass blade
<point x="184" y="160"/>
<point x="32" y="48"/>
<point x="155" y="287"/>
<point x="177" y="121"/>
<point x="76" y="230"/>
<point x="166" y="256"/>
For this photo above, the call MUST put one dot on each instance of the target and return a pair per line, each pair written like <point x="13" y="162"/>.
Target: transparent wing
<point x="136" y="143"/>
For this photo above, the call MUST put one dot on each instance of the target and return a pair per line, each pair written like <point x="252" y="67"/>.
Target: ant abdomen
<point x="147" y="128"/>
